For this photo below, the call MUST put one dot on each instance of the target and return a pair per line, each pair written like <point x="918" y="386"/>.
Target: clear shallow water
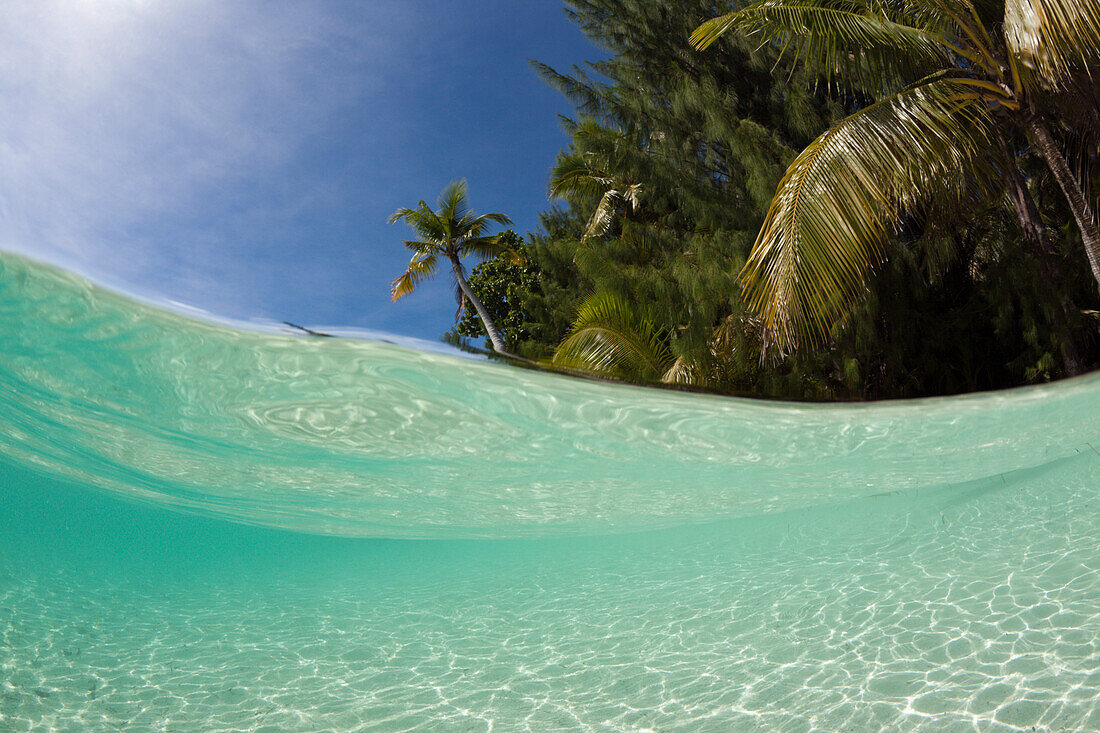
<point x="582" y="557"/>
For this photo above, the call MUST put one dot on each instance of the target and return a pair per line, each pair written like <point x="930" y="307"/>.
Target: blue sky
<point x="242" y="156"/>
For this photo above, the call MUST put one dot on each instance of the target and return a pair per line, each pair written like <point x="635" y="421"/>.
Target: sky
<point x="242" y="156"/>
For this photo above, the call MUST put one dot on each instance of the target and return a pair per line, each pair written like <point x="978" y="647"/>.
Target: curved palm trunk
<point x="486" y="319"/>
<point x="1035" y="234"/>
<point x="1082" y="212"/>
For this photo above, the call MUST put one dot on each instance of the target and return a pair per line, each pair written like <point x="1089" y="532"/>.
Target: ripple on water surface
<point x="367" y="438"/>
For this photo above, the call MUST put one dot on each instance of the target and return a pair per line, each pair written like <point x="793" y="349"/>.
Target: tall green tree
<point x="962" y="300"/>
<point x="449" y="234"/>
<point x="959" y="84"/>
<point x="672" y="160"/>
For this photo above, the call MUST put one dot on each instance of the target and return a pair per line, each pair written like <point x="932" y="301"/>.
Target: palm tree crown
<point x="587" y="175"/>
<point x="450" y="234"/>
<point x="612" y="338"/>
<point x="959" y="82"/>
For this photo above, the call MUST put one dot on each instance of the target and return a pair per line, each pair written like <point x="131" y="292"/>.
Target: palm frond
<point x="452" y="201"/>
<point x="452" y="229"/>
<point x="1052" y="38"/>
<point x="632" y="196"/>
<point x="425" y="222"/>
<point x="609" y="337"/>
<point x="684" y="371"/>
<point x="484" y="247"/>
<point x="420" y="268"/>
<point x="574" y="175"/>
<point x="848" y="190"/>
<point x="399" y="215"/>
<point x="581" y="176"/>
<point x="421" y="248"/>
<point x="603" y="217"/>
<point x="478" y="224"/>
<point x="848" y="40"/>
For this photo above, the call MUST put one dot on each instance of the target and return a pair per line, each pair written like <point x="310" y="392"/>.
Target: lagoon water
<point x="210" y="528"/>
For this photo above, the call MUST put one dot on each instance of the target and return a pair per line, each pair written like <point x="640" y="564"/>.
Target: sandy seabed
<point x="978" y="611"/>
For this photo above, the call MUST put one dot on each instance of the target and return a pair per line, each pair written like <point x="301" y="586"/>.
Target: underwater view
<point x="557" y="365"/>
<point x="213" y="528"/>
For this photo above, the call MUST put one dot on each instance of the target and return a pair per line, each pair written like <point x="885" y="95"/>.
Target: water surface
<point x="214" y="528"/>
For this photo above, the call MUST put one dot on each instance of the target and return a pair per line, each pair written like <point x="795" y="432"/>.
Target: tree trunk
<point x="1082" y="212"/>
<point x="1027" y="213"/>
<point x="486" y="319"/>
<point x="1035" y="234"/>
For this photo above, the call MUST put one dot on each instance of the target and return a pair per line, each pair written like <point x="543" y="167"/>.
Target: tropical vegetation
<point x="959" y="88"/>
<point x="931" y="248"/>
<point x="502" y="283"/>
<point x="450" y="234"/>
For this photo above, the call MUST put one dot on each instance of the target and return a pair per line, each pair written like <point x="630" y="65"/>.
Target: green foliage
<point x="954" y="85"/>
<point x="669" y="171"/>
<point x="503" y="284"/>
<point x="843" y="196"/>
<point x="612" y="339"/>
<point x="668" y="179"/>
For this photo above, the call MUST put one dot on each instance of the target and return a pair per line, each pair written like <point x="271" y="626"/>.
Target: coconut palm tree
<point x="612" y="338"/>
<point x="959" y="84"/>
<point x="591" y="175"/>
<point x="578" y="175"/>
<point x="450" y="234"/>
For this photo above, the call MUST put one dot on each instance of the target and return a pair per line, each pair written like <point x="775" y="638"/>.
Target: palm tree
<point x="958" y="82"/>
<point x="589" y="175"/>
<point x="611" y="337"/>
<point x="450" y="233"/>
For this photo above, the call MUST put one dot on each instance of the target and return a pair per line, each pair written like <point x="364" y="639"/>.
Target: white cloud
<point x="121" y="118"/>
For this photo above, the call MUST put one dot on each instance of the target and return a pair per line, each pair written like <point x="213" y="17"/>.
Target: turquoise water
<point x="209" y="528"/>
